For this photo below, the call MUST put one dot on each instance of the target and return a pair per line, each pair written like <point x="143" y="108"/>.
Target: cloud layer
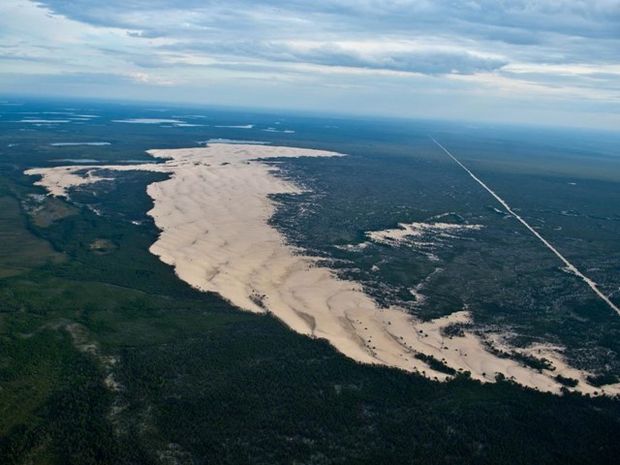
<point x="555" y="50"/>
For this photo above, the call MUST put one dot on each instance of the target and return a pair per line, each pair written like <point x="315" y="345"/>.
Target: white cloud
<point x="531" y="50"/>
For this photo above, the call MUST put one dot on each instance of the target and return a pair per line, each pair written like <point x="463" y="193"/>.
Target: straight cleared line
<point x="572" y="268"/>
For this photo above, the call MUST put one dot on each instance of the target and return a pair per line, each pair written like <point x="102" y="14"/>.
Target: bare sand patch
<point x="213" y="213"/>
<point x="406" y="231"/>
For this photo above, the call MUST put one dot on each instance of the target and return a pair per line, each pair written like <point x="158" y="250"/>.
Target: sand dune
<point x="213" y="213"/>
<point x="409" y="230"/>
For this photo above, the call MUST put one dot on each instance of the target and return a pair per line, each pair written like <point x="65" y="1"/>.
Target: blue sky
<point x="527" y="61"/>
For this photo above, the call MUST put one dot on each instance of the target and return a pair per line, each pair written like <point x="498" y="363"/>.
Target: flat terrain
<point x="20" y="249"/>
<point x="107" y="357"/>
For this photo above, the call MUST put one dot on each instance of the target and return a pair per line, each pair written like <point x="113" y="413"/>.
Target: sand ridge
<point x="417" y="229"/>
<point x="213" y="212"/>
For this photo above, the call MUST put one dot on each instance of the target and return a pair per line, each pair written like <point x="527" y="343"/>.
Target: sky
<point x="551" y="62"/>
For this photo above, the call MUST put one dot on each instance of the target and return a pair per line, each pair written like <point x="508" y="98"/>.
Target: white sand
<point x="554" y="354"/>
<point x="58" y="179"/>
<point x="213" y="214"/>
<point x="405" y="231"/>
<point x="425" y="237"/>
